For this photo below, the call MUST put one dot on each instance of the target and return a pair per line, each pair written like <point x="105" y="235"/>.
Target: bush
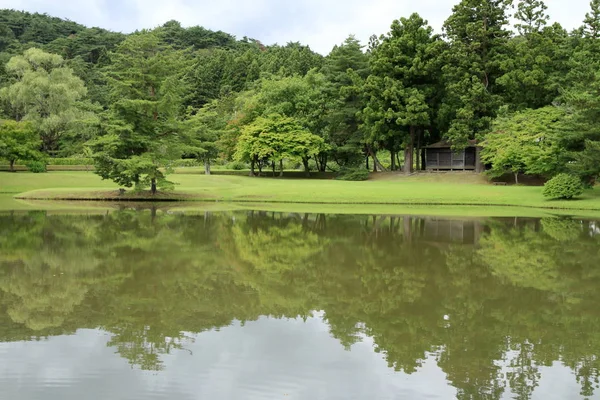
<point x="36" y="166"/>
<point x="70" y="161"/>
<point x="188" y="162"/>
<point x="236" y="166"/>
<point x="563" y="186"/>
<point x="353" y="174"/>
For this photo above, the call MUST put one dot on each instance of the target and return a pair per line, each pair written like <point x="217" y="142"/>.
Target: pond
<point x="138" y="304"/>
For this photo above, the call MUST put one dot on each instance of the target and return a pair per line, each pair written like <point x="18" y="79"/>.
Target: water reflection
<point x="490" y="303"/>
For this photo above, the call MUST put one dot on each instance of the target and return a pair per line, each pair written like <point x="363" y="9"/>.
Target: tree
<point x="401" y="87"/>
<point x="591" y="28"/>
<point x="147" y="87"/>
<point x="18" y="142"/>
<point x="276" y="137"/>
<point x="345" y="71"/>
<point x="477" y="30"/>
<point x="527" y="142"/>
<point x="203" y="130"/>
<point x="45" y="92"/>
<point x="537" y="68"/>
<point x="531" y="15"/>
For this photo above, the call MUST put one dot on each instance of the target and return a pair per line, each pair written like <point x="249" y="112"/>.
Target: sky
<point x="318" y="23"/>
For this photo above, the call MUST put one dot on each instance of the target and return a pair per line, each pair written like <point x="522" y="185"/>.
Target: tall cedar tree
<point x="345" y="70"/>
<point x="147" y="87"/>
<point x="402" y="86"/>
<point x="478" y="34"/>
<point x="538" y="59"/>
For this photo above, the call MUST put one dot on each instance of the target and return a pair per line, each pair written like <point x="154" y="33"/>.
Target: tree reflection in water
<point x="483" y="296"/>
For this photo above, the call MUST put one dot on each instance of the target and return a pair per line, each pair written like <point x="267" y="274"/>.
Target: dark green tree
<point x="478" y="34"/>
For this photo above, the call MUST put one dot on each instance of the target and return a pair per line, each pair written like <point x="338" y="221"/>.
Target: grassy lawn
<point x="457" y="189"/>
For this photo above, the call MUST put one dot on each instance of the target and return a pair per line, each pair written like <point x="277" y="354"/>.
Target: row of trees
<point x="139" y="102"/>
<point x="152" y="279"/>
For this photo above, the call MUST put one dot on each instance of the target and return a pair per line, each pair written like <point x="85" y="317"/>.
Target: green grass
<point x="458" y="190"/>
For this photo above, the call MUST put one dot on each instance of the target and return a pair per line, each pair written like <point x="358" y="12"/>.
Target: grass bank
<point x="458" y="190"/>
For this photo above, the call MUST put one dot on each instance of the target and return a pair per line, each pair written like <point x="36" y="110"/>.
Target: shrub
<point x="71" y="161"/>
<point x="353" y="174"/>
<point x="36" y="166"/>
<point x="236" y="166"/>
<point x="188" y="162"/>
<point x="563" y="186"/>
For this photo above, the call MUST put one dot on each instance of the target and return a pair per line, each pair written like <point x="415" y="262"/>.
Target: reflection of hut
<point x="440" y="157"/>
<point x="452" y="231"/>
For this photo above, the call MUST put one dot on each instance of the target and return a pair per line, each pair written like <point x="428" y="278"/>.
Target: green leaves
<point x="19" y="142"/>
<point x="275" y="137"/>
<point x="44" y="92"/>
<point x="528" y="142"/>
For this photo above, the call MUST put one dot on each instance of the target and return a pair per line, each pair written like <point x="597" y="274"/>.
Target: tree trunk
<point x="393" y="165"/>
<point x="407" y="229"/>
<point x="153" y="186"/>
<point x="408" y="152"/>
<point x="207" y="167"/>
<point x="12" y="165"/>
<point x="252" y="165"/>
<point x="306" y="167"/>
<point x="418" y="152"/>
<point x="260" y="165"/>
<point x="273" y="168"/>
<point x="376" y="164"/>
<point x="367" y="161"/>
<point x="281" y="168"/>
<point x="516" y="178"/>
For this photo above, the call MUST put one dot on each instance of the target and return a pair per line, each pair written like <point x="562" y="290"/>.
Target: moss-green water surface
<point x="262" y="305"/>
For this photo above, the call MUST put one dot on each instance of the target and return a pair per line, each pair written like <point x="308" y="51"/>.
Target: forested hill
<point x="526" y="91"/>
<point x="228" y="64"/>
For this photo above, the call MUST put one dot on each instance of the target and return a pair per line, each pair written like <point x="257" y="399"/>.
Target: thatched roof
<point x="444" y="144"/>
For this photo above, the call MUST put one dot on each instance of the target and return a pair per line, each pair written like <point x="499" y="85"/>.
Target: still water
<point x="252" y="305"/>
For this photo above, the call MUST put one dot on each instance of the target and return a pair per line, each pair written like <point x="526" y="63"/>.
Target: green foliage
<point x="401" y="89"/>
<point x="353" y="174"/>
<point x="45" y="92"/>
<point x="527" y="142"/>
<point x="36" y="166"/>
<point x="563" y="186"/>
<point x="236" y="165"/>
<point x="70" y="161"/>
<point x="147" y="87"/>
<point x="18" y="142"/>
<point x="478" y="31"/>
<point x="276" y="137"/>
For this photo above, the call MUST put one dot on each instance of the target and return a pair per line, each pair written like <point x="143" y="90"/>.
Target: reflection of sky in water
<point x="266" y="359"/>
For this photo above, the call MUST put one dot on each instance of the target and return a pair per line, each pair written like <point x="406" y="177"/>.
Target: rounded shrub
<point x="236" y="166"/>
<point x="563" y="186"/>
<point x="353" y="174"/>
<point x="36" y="166"/>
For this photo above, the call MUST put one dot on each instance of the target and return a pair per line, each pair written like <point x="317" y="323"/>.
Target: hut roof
<point x="444" y="144"/>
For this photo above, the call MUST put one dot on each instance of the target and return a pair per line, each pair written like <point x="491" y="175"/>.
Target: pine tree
<point x="531" y="15"/>
<point x="147" y="87"/>
<point x="591" y="26"/>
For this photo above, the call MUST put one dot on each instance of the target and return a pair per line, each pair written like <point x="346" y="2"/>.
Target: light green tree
<point x="527" y="142"/>
<point x="276" y="137"/>
<point x="45" y="92"/>
<point x="18" y="142"/>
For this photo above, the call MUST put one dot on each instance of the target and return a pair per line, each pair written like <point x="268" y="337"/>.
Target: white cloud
<point x="319" y="23"/>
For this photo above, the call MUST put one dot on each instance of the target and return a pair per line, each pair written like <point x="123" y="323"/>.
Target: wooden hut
<point x="440" y="157"/>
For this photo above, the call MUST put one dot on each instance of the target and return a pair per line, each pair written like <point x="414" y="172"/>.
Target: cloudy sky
<point x="319" y="23"/>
